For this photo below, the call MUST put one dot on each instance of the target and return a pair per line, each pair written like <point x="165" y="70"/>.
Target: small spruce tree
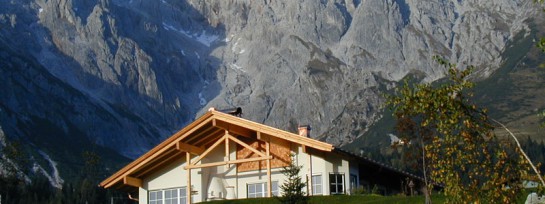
<point x="292" y="188"/>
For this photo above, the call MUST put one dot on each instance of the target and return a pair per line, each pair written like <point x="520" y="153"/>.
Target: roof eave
<point x="154" y="152"/>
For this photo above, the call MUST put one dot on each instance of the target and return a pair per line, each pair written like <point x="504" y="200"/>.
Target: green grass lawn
<point x="354" y="199"/>
<point x="344" y="199"/>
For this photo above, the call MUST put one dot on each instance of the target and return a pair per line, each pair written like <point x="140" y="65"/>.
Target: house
<point x="222" y="156"/>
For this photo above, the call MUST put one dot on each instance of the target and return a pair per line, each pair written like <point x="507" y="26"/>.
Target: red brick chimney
<point x="304" y="130"/>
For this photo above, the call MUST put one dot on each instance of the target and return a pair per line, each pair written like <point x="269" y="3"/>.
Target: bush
<point x="360" y="191"/>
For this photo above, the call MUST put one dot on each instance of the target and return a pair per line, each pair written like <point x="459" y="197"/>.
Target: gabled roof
<point x="194" y="138"/>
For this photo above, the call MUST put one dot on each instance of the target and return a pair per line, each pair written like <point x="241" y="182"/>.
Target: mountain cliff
<point x="125" y="74"/>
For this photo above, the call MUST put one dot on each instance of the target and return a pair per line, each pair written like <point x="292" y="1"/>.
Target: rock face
<point x="134" y="71"/>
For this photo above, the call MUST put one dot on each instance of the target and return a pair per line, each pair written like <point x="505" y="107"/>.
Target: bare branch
<point x="522" y="152"/>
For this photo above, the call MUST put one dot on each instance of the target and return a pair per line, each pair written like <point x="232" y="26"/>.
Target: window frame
<point x="336" y="184"/>
<point x="156" y="200"/>
<point x="263" y="186"/>
<point x="317" y="184"/>
<point x="171" y="195"/>
<point x="161" y="196"/>
<point x="182" y="196"/>
<point x="275" y="192"/>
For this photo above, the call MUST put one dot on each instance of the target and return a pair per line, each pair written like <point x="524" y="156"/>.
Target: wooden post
<point x="269" y="183"/>
<point x="227" y="152"/>
<point x="188" y="188"/>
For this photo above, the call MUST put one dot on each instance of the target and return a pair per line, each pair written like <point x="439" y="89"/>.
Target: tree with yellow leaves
<point x="457" y="142"/>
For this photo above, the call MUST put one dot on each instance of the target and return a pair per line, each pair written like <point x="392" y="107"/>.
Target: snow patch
<point x="182" y="51"/>
<point x="54" y="178"/>
<point x="203" y="37"/>
<point x="40" y="10"/>
<point x="228" y="39"/>
<point x="198" y="56"/>
<point x="202" y="101"/>
<point x="169" y="27"/>
<point x="237" y="68"/>
<point x="236" y="49"/>
<point x="206" y="39"/>
<point x="4" y="161"/>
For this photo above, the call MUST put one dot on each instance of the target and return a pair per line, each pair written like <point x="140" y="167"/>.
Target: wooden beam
<point x="201" y="134"/>
<point x="246" y="146"/>
<point x="263" y="137"/>
<point x="189" y="148"/>
<point x="215" y="133"/>
<point x="209" y="142"/>
<point x="269" y="183"/>
<point x="207" y="151"/>
<point x="304" y="149"/>
<point x="159" y="164"/>
<point x="227" y="157"/>
<point x="228" y="162"/>
<point x="235" y="129"/>
<point x="131" y="181"/>
<point x="193" y="129"/>
<point x="274" y="132"/>
<point x="188" y="188"/>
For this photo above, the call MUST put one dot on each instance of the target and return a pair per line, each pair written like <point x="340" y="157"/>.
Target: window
<point x="156" y="197"/>
<point x="258" y="190"/>
<point x="317" y="185"/>
<point x="168" y="196"/>
<point x="336" y="183"/>
<point x="183" y="195"/>
<point x="274" y="190"/>
<point x="171" y="196"/>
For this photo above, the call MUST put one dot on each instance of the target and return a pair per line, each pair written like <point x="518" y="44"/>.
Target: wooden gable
<point x="280" y="151"/>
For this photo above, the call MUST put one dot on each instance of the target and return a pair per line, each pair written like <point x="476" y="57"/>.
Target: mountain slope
<point x="512" y="95"/>
<point x="47" y="116"/>
<point x="125" y="74"/>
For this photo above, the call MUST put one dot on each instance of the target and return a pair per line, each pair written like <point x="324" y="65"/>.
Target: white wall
<point x="251" y="177"/>
<point x="324" y="163"/>
<point x="172" y="176"/>
<point x="142" y="196"/>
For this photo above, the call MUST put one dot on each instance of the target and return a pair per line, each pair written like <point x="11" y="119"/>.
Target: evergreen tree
<point x="292" y="188"/>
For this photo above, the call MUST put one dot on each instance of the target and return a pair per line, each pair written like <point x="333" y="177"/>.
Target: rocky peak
<point x="156" y="65"/>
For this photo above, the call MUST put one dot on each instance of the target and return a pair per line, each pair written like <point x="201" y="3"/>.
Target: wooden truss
<point x="226" y="138"/>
